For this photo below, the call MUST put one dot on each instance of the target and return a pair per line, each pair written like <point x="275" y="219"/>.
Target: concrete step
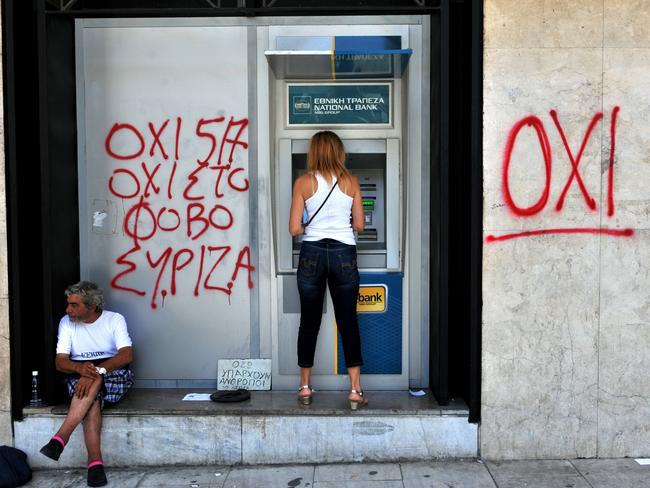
<point x="154" y="427"/>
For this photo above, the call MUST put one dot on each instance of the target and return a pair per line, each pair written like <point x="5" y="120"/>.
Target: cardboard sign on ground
<point x="250" y="374"/>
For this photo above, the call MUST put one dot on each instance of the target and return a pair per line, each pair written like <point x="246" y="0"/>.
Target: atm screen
<point x="370" y="170"/>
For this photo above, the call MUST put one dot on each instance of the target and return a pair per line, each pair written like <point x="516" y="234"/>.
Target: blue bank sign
<point x="338" y="104"/>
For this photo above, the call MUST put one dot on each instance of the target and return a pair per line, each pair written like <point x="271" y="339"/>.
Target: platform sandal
<point x="305" y="399"/>
<point x="357" y="404"/>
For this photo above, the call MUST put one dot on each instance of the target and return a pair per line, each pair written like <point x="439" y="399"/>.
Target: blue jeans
<point x="332" y="263"/>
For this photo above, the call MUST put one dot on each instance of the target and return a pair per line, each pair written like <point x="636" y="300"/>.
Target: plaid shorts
<point x="116" y="384"/>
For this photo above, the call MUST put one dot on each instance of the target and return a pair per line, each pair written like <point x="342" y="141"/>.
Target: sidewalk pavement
<point x="577" y="473"/>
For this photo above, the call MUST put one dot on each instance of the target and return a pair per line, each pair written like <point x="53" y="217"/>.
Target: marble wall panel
<point x="3" y="203"/>
<point x="4" y="337"/>
<point x="272" y="440"/>
<point x="267" y="440"/>
<point x="540" y="329"/>
<point x="6" y="434"/>
<point x="3" y="200"/>
<point x="624" y="355"/>
<point x="626" y="84"/>
<point x="543" y="23"/>
<point x="460" y="438"/>
<point x="522" y="82"/>
<point x="140" y="441"/>
<point x="4" y="270"/>
<point x="601" y="352"/>
<point x="5" y="386"/>
<point x="626" y="23"/>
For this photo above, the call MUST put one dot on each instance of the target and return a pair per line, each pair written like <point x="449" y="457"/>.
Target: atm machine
<point x="308" y="98"/>
<point x="375" y="162"/>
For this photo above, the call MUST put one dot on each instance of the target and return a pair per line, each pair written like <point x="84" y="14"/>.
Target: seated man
<point x="94" y="348"/>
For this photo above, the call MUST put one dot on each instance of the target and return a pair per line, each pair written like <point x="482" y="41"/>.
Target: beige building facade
<point x="566" y="240"/>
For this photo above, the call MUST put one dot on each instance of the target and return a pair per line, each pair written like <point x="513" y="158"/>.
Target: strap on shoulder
<point x="321" y="205"/>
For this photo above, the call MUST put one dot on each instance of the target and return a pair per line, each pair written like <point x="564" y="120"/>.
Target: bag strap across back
<point x="305" y="224"/>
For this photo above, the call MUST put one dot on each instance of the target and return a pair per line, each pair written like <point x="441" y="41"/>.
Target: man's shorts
<point x="116" y="384"/>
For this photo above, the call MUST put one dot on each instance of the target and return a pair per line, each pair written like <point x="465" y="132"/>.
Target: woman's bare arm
<point x="297" y="206"/>
<point x="358" y="221"/>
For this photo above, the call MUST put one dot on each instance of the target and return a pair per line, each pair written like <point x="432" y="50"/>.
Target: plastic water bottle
<point x="35" y="401"/>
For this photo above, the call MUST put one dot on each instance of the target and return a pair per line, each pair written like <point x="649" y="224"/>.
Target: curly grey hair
<point x="90" y="294"/>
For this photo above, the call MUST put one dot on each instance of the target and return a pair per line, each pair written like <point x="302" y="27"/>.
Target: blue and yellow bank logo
<point x="302" y="105"/>
<point x="372" y="298"/>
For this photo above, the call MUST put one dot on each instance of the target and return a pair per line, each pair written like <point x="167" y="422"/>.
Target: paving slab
<point x="122" y="478"/>
<point x="549" y="482"/>
<point x="76" y="478"/>
<point x="536" y="474"/>
<point x="357" y="472"/>
<point x="530" y="469"/>
<point x="270" y="477"/>
<point x="193" y="476"/>
<point x="469" y="473"/>
<point x="57" y="479"/>
<point x="443" y="474"/>
<point x="359" y="484"/>
<point x="613" y="473"/>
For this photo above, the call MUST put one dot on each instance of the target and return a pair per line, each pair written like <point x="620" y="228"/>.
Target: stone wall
<point x="5" y="380"/>
<point x="566" y="258"/>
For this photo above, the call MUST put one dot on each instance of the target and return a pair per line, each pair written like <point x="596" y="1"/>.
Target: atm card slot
<point x="368" y="235"/>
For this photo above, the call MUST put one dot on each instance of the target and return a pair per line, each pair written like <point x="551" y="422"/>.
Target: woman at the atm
<point x="328" y="256"/>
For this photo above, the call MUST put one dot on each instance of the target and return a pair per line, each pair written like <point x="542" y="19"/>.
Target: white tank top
<point x="333" y="220"/>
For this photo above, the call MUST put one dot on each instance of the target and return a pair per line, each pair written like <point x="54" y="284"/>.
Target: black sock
<point x="96" y="474"/>
<point x="52" y="449"/>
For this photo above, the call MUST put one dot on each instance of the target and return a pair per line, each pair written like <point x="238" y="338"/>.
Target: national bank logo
<point x="302" y="105"/>
<point x="372" y="299"/>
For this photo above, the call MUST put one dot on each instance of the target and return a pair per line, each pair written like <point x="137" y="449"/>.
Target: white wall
<point x="566" y="316"/>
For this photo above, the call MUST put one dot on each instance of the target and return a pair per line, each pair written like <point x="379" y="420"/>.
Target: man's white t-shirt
<point x="101" y="339"/>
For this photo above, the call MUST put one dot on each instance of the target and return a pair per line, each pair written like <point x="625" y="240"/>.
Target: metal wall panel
<point x="164" y="190"/>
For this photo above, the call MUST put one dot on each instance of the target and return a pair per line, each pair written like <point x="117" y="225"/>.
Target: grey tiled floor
<point x="589" y="473"/>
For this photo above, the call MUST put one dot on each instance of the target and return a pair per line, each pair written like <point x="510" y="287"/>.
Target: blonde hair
<point x="327" y="155"/>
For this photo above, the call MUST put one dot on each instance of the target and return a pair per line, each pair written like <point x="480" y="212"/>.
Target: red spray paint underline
<point x="593" y="230"/>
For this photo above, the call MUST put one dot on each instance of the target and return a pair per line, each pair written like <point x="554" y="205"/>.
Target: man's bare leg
<point x="92" y="425"/>
<point x="92" y="437"/>
<point x="79" y="407"/>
